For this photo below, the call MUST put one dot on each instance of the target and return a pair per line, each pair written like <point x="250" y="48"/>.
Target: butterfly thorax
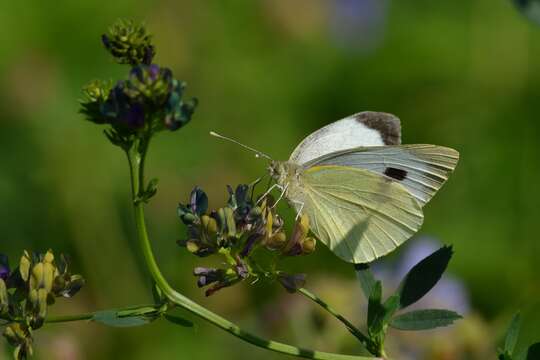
<point x="285" y="172"/>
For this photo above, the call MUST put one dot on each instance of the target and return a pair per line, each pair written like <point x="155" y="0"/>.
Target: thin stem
<point x="90" y="315"/>
<point x="353" y="329"/>
<point x="68" y="318"/>
<point x="198" y="310"/>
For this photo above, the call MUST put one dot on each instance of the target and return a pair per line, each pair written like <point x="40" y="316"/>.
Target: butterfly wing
<point x="357" y="213"/>
<point x="421" y="169"/>
<point x="367" y="128"/>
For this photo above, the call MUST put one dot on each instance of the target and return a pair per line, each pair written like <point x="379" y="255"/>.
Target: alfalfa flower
<point x="129" y="43"/>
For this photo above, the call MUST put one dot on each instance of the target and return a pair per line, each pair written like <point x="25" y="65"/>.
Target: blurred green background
<point x="464" y="74"/>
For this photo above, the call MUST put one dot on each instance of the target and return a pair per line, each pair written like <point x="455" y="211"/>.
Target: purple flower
<point x="208" y="276"/>
<point x="4" y="267"/>
<point x="359" y="24"/>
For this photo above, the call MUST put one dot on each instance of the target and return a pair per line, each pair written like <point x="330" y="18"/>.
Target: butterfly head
<point x="283" y="171"/>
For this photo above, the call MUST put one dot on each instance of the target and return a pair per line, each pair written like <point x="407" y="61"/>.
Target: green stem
<point x="90" y="315"/>
<point x="69" y="318"/>
<point x="353" y="329"/>
<point x="135" y="161"/>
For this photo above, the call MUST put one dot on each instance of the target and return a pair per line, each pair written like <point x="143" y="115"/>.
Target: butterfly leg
<point x="268" y="192"/>
<point x="299" y="213"/>
<point x="283" y="191"/>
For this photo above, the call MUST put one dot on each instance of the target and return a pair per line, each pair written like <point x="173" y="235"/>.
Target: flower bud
<point x="209" y="225"/>
<point x="24" y="266"/>
<point x="295" y="246"/>
<point x="198" y="203"/>
<point x="129" y="43"/>
<point x="20" y="336"/>
<point x="308" y="246"/>
<point x="207" y="276"/>
<point x="36" y="280"/>
<point x="4" y="300"/>
<point x="277" y="241"/>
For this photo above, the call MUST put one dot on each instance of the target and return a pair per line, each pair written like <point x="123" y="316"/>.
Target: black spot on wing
<point x="388" y="125"/>
<point x="394" y="173"/>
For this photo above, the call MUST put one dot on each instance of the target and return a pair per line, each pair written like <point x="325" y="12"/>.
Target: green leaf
<point x="175" y="319"/>
<point x="391" y="305"/>
<point x="366" y="278"/>
<point x="112" y="318"/>
<point x="423" y="276"/>
<point x="424" y="319"/>
<point x="375" y="307"/>
<point x="512" y="334"/>
<point x="533" y="353"/>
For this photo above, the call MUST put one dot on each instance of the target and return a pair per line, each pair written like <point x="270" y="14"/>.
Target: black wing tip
<point x="388" y="125"/>
<point x="395" y="173"/>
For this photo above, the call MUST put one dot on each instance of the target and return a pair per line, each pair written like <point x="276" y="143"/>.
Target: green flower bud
<point x="300" y="231"/>
<point x="308" y="246"/>
<point x="129" y="43"/>
<point x="277" y="241"/>
<point x="95" y="94"/>
<point x="20" y="336"/>
<point x="209" y="225"/>
<point x="36" y="279"/>
<point x="24" y="266"/>
<point x="4" y="300"/>
<point x="48" y="257"/>
<point x="226" y="224"/>
<point x="192" y="246"/>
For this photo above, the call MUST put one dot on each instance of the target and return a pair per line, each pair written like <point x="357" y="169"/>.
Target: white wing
<point x="363" y="129"/>
<point x="421" y="169"/>
<point x="358" y="214"/>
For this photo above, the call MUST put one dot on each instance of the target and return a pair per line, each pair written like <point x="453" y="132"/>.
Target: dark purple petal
<point x="106" y="41"/>
<point x="208" y="276"/>
<point x="153" y="71"/>
<point x="250" y="242"/>
<point x="4" y="267"/>
<point x="135" y="116"/>
<point x="198" y="201"/>
<point x="241" y="269"/>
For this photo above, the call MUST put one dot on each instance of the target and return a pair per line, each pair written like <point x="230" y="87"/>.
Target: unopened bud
<point x="308" y="246"/>
<point x="24" y="266"/>
<point x="277" y="241"/>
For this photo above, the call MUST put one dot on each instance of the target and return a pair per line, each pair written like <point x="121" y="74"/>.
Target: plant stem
<point x="135" y="161"/>
<point x="90" y="315"/>
<point x="353" y="329"/>
<point x="68" y="318"/>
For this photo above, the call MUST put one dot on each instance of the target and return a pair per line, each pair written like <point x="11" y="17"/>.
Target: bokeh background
<point x="464" y="74"/>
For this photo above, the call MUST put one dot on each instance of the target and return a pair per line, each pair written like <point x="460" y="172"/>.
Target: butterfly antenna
<point x="257" y="152"/>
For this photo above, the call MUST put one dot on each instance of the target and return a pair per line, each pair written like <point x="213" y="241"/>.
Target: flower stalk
<point x="136" y="156"/>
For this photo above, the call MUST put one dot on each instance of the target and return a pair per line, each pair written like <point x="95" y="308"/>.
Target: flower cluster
<point x="129" y="43"/>
<point x="238" y="231"/>
<point x="27" y="291"/>
<point x="149" y="100"/>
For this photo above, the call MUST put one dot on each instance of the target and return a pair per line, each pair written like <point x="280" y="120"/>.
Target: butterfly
<point x="362" y="191"/>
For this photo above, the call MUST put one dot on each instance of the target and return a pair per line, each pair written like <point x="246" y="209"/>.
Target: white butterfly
<point x="361" y="189"/>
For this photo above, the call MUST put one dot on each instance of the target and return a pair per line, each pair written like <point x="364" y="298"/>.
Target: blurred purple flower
<point x="449" y="293"/>
<point x="4" y="267"/>
<point x="359" y="24"/>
